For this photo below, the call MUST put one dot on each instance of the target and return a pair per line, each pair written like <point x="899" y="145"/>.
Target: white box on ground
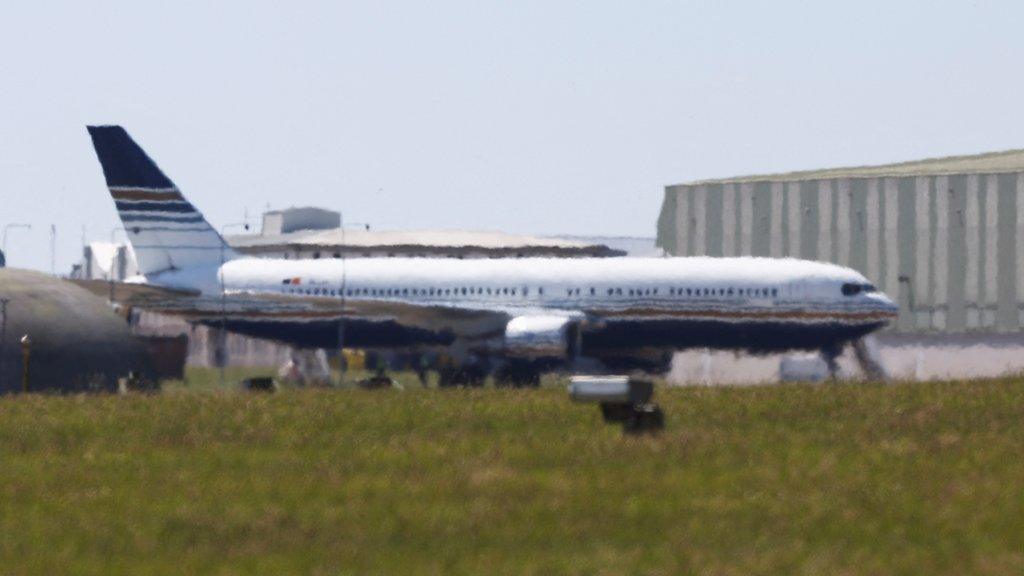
<point x="613" y="389"/>
<point x="803" y="368"/>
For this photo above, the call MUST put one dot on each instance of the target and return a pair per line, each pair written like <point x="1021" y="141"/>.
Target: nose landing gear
<point x="864" y="351"/>
<point x="830" y="354"/>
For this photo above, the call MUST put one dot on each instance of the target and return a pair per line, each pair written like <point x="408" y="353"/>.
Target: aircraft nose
<point x="886" y="305"/>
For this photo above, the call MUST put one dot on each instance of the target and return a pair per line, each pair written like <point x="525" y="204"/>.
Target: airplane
<point x="513" y="318"/>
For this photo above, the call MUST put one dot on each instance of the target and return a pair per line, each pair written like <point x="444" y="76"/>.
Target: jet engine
<point x="542" y="336"/>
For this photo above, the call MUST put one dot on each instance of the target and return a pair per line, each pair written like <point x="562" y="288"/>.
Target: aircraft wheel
<point x="445" y="378"/>
<point x="532" y="379"/>
<point x="517" y="375"/>
<point x="475" y="377"/>
<point x="503" y="377"/>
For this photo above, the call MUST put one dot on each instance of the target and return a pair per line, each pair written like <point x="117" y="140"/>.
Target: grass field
<point x="794" y="479"/>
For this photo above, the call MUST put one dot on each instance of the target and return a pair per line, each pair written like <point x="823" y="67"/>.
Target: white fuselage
<point x="616" y="286"/>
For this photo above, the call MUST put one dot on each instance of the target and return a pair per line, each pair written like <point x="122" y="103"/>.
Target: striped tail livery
<point x="165" y="230"/>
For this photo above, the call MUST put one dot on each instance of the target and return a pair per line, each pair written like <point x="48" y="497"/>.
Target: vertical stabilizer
<point x="165" y="230"/>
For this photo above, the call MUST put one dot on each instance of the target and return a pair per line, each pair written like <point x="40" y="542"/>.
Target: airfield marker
<point x="26" y="353"/>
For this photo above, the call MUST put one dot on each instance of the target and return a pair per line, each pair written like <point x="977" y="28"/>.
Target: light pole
<point x="9" y="227"/>
<point x="53" y="249"/>
<point x="341" y="321"/>
<point x="223" y="337"/>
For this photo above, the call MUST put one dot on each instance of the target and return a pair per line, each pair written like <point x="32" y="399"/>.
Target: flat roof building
<point x="413" y="243"/>
<point x="316" y="233"/>
<point x="296" y="219"/>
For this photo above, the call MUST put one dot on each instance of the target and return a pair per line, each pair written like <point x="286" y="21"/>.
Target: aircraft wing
<point x="464" y="319"/>
<point x="134" y="294"/>
<point x="192" y="306"/>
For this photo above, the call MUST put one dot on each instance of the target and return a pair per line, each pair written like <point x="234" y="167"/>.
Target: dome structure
<point x="77" y="342"/>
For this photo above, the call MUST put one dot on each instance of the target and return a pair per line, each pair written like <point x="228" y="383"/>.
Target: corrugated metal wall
<point x="946" y="246"/>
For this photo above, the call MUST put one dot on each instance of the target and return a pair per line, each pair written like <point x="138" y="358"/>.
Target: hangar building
<point x="944" y="236"/>
<point x="78" y="342"/>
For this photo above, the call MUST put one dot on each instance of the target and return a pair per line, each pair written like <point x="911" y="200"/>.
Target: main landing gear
<point x="517" y="374"/>
<point x="866" y="352"/>
<point x="469" y="376"/>
<point x="510" y="374"/>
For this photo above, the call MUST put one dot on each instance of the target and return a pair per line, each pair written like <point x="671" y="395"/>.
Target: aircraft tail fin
<point x="165" y="230"/>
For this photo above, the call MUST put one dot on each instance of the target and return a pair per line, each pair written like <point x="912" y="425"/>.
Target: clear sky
<point x="529" y="116"/>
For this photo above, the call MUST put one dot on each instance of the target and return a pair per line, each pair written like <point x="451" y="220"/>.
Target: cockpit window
<point x="851" y="289"/>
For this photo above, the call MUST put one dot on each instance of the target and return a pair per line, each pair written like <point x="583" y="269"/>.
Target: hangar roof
<point x="987" y="163"/>
<point x="78" y="341"/>
<point x="416" y="239"/>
